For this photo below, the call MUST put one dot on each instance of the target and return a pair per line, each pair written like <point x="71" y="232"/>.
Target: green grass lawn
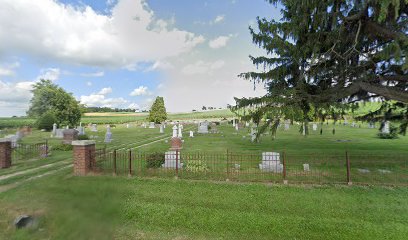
<point x="103" y="207"/>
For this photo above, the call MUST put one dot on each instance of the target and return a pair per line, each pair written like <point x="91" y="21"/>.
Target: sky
<point x="124" y="53"/>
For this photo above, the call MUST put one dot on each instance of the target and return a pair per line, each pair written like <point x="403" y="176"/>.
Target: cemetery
<point x="142" y="119"/>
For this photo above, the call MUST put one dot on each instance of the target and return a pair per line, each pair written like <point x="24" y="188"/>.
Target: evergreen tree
<point x="51" y="99"/>
<point x="323" y="54"/>
<point x="158" y="112"/>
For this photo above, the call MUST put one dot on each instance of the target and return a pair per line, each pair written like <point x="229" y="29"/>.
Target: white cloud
<point x="8" y="69"/>
<point x="49" y="74"/>
<point x="218" y="19"/>
<point x="95" y="74"/>
<point x="202" y="67"/>
<point x="134" y="106"/>
<point x="52" y="30"/>
<point x="219" y="42"/>
<point x="105" y="91"/>
<point x="140" y="91"/>
<point x="14" y="98"/>
<point x="99" y="100"/>
<point x="89" y="84"/>
<point x="160" y="65"/>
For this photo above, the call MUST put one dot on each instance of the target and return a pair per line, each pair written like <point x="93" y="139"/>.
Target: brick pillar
<point x="5" y="153"/>
<point x="84" y="156"/>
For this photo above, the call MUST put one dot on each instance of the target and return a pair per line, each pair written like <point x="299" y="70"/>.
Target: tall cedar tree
<point x="322" y="54"/>
<point x="158" y="112"/>
<point x="49" y="98"/>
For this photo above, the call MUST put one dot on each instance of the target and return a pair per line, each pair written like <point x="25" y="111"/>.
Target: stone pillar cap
<point x="83" y="142"/>
<point x="5" y="140"/>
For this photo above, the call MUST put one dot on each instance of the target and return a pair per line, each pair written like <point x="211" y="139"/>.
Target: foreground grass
<point x="102" y="207"/>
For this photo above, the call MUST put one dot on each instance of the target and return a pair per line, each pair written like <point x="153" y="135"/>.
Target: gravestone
<point x="175" y="131"/>
<point x="108" y="135"/>
<point x="151" y="125"/>
<point x="304" y="129"/>
<point x="54" y="129"/>
<point x="81" y="130"/>
<point x="94" y="128"/>
<point x="69" y="135"/>
<point x="203" y="127"/>
<point x="271" y="162"/>
<point x="236" y="127"/>
<point x="161" y="128"/>
<point x="191" y="134"/>
<point x="353" y="124"/>
<point x="233" y="122"/>
<point x="314" y="126"/>
<point x="306" y="167"/>
<point x="386" y="128"/>
<point x="287" y="126"/>
<point x="246" y="124"/>
<point x="172" y="160"/>
<point x="127" y="125"/>
<point x="180" y="133"/>
<point x="59" y="133"/>
<point x="19" y="135"/>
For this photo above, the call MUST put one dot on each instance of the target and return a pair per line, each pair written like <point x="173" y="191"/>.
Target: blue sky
<point x="124" y="53"/>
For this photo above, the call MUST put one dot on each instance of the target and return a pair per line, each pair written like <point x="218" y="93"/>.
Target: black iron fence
<point x="234" y="166"/>
<point x="29" y="151"/>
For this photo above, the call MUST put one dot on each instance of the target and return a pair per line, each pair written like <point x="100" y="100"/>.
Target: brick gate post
<point x="84" y="156"/>
<point x="5" y="153"/>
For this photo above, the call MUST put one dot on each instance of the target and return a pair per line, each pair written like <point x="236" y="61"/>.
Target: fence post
<point x="46" y="147"/>
<point x="177" y="161"/>
<point x="114" y="162"/>
<point x="227" y="179"/>
<point x="285" y="181"/>
<point x="348" y="169"/>
<point x="130" y="162"/>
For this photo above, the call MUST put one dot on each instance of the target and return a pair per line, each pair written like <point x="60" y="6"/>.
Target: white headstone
<point x="271" y="162"/>
<point x="151" y="125"/>
<point x="81" y="130"/>
<point x="286" y="126"/>
<point x="314" y="127"/>
<point x="203" y="127"/>
<point x="304" y="129"/>
<point x="386" y="128"/>
<point x="306" y="167"/>
<point x="161" y="128"/>
<point x="246" y="124"/>
<point x="127" y="125"/>
<point x="108" y="137"/>
<point x="54" y="129"/>
<point x="191" y="134"/>
<point x="233" y="122"/>
<point x="94" y="128"/>
<point x="172" y="160"/>
<point x="175" y="130"/>
<point x="59" y="133"/>
<point x="180" y="133"/>
<point x="253" y="134"/>
<point x="236" y="127"/>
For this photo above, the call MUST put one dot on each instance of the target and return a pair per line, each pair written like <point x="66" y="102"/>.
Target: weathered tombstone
<point x="233" y="122"/>
<point x="304" y="129"/>
<point x="127" y="125"/>
<point x="161" y="128"/>
<point x="271" y="162"/>
<point x="94" y="128"/>
<point x="175" y="131"/>
<point x="287" y="126"/>
<point x="54" y="129"/>
<point x="69" y="135"/>
<point x="314" y="126"/>
<point x="151" y="125"/>
<point x="236" y="127"/>
<point x="203" y="127"/>
<point x="108" y="137"/>
<point x="306" y="167"/>
<point x="191" y="134"/>
<point x="59" y="133"/>
<point x="180" y="133"/>
<point x="172" y="160"/>
<point x="19" y="135"/>
<point x="386" y="128"/>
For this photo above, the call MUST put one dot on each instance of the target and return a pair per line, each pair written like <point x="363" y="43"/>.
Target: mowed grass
<point x="102" y="207"/>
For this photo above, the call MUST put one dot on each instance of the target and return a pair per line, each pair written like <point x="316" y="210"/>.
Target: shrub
<point x="62" y="147"/>
<point x="196" y="166"/>
<point x="83" y="137"/>
<point x="46" y="121"/>
<point x="154" y="160"/>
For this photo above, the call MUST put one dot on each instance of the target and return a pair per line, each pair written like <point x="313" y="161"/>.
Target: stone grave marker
<point x="314" y="126"/>
<point x="69" y="135"/>
<point x="386" y="128"/>
<point x="191" y="134"/>
<point x="54" y="130"/>
<point x="94" y="128"/>
<point x="287" y="126"/>
<point x="271" y="162"/>
<point x="172" y="160"/>
<point x="306" y="167"/>
<point x="161" y="128"/>
<point x="151" y="125"/>
<point x="203" y="127"/>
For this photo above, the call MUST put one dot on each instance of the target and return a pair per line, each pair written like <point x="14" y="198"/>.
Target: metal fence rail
<point x="29" y="151"/>
<point x="235" y="166"/>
